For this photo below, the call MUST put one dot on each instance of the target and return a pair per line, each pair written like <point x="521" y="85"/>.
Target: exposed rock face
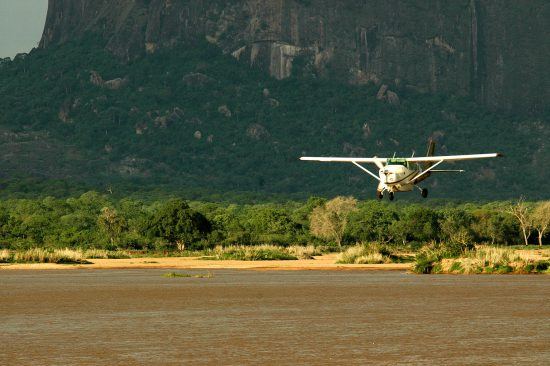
<point x="495" y="50"/>
<point x="114" y="84"/>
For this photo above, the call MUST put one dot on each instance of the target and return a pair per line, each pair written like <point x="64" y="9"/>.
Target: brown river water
<point x="138" y="317"/>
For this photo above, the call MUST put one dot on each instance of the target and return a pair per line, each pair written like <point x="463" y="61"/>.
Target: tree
<point x="541" y="219"/>
<point x="495" y="226"/>
<point x="416" y="223"/>
<point x="330" y="220"/>
<point x="521" y="212"/>
<point x="112" y="223"/>
<point x="371" y="222"/>
<point x="456" y="227"/>
<point x="177" y="223"/>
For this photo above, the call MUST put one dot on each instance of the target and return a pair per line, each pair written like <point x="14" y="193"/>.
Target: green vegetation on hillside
<point x="194" y="122"/>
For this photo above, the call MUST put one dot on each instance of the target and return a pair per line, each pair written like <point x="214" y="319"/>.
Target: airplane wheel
<point x="380" y="195"/>
<point x="391" y="196"/>
<point x="424" y="193"/>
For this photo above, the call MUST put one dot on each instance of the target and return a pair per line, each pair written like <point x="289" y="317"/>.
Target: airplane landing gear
<point x="424" y="192"/>
<point x="391" y="196"/>
<point x="379" y="194"/>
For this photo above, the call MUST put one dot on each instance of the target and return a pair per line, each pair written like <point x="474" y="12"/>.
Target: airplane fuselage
<point x="397" y="178"/>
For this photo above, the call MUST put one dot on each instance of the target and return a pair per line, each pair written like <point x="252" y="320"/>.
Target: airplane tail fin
<point x="431" y="151"/>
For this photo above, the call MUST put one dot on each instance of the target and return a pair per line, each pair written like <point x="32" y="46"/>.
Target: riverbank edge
<point x="325" y="262"/>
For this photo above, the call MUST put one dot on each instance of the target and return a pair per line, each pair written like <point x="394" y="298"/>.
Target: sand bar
<point x="324" y="262"/>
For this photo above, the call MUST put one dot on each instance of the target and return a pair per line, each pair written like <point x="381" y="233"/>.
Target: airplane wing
<point x="436" y="159"/>
<point x="355" y="161"/>
<point x="345" y="160"/>
<point x="441" y="159"/>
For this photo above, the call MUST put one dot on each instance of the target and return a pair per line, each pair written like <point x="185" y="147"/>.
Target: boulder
<point x="392" y="98"/>
<point x="197" y="79"/>
<point x="96" y="79"/>
<point x="4" y="61"/>
<point x="225" y="111"/>
<point x="115" y="84"/>
<point x="141" y="128"/>
<point x="366" y="130"/>
<point x="257" y="132"/>
<point x="381" y="95"/>
<point x="161" y="122"/>
<point x="273" y="103"/>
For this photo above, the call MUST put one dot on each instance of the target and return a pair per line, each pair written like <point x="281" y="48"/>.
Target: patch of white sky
<point x="21" y="25"/>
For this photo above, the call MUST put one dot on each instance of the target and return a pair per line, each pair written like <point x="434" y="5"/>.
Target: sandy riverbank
<point x="324" y="262"/>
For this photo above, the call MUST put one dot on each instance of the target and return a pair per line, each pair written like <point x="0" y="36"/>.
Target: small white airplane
<point x="399" y="175"/>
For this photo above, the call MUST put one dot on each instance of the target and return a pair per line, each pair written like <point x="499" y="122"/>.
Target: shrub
<point x="5" y="256"/>
<point x="371" y="253"/>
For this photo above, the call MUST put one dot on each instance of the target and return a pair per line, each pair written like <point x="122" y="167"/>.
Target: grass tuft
<point x="307" y="252"/>
<point x="187" y="275"/>
<point x="371" y="253"/>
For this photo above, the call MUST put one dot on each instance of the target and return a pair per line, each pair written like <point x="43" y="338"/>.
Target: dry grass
<point x="5" y="256"/>
<point x="40" y="255"/>
<point x="105" y="254"/>
<point x="370" y="253"/>
<point x="372" y="258"/>
<point x="307" y="252"/>
<point x="487" y="259"/>
<point x="43" y="255"/>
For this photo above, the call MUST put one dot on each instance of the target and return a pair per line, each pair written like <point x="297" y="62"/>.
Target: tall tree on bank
<point x="329" y="221"/>
<point x="541" y="219"/>
<point x="112" y="223"/>
<point x="521" y="211"/>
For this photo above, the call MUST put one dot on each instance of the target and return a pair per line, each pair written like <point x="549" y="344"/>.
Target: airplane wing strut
<point x="365" y="170"/>
<point x="427" y="170"/>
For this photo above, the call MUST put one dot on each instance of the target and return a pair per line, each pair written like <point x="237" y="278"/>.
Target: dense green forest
<point x="93" y="220"/>
<point x="194" y="122"/>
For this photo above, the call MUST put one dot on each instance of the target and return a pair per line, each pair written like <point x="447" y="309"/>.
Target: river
<point x="133" y="317"/>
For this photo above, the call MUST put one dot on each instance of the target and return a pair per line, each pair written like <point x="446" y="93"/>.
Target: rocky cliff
<point x="494" y="50"/>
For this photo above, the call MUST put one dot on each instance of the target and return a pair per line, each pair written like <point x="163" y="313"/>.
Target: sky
<point x="21" y="25"/>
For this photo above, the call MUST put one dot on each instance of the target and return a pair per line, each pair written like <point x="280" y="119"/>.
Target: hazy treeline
<point x="96" y="221"/>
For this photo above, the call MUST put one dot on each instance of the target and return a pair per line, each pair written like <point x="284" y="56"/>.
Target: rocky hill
<point x="219" y="99"/>
<point x="494" y="50"/>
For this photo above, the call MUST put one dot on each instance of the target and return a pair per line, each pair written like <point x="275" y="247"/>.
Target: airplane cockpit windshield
<point x="398" y="161"/>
